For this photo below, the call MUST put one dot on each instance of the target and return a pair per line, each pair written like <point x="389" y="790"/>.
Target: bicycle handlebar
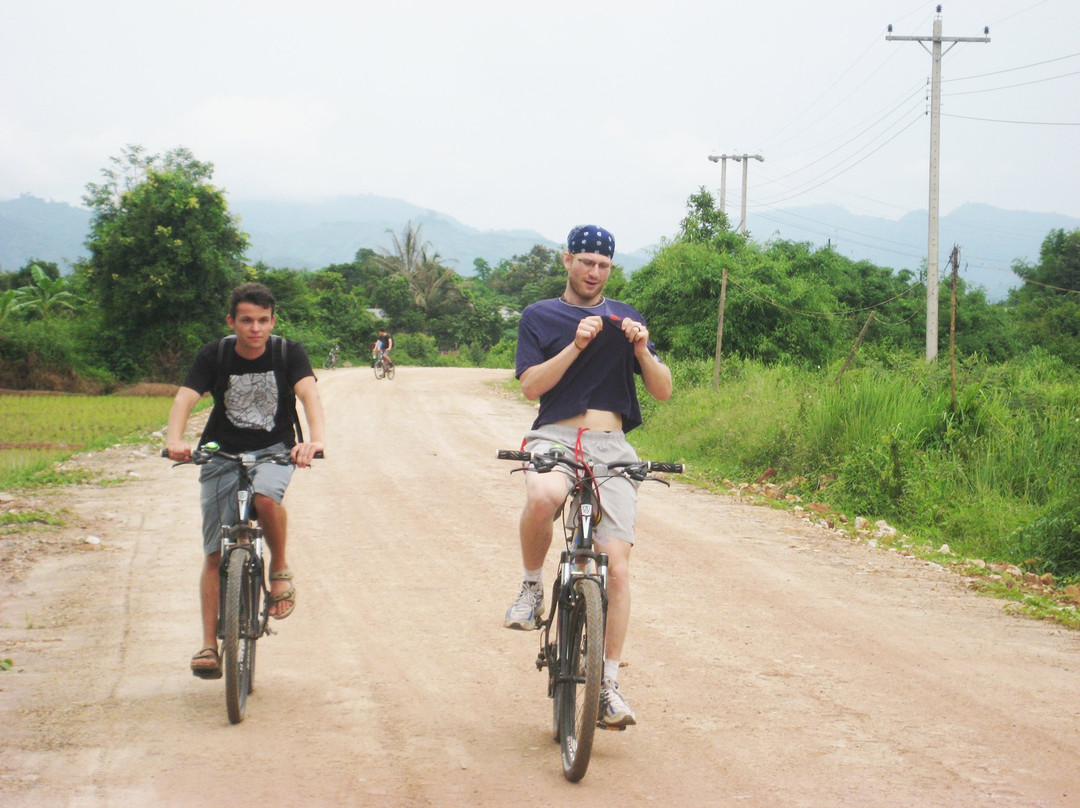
<point x="202" y="456"/>
<point x="546" y="460"/>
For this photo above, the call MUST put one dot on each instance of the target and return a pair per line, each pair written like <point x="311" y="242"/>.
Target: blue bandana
<point x="588" y="238"/>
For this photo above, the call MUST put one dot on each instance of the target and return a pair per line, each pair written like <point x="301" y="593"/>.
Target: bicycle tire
<point x="380" y="371"/>
<point x="390" y="371"/>
<point x="581" y="668"/>
<point x="236" y="648"/>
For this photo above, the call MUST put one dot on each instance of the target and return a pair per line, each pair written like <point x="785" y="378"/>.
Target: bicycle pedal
<point x="602" y="725"/>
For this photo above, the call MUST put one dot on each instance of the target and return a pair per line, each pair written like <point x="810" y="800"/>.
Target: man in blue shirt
<point x="578" y="354"/>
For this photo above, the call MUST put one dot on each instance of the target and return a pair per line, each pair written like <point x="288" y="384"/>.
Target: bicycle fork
<point x="245" y="537"/>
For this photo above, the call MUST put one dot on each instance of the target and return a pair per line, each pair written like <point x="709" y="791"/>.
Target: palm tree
<point x="411" y="259"/>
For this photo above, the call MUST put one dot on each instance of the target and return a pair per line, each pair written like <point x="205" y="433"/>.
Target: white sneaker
<point x="526" y="612"/>
<point x="614" y="711"/>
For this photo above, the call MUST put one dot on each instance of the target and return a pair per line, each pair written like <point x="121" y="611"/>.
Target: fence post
<point x="855" y="347"/>
<point x="719" y="332"/>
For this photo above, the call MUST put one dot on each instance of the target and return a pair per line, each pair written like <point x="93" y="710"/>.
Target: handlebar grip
<point x="164" y="452"/>
<point x="319" y="455"/>
<point x="669" y="468"/>
<point x="510" y="454"/>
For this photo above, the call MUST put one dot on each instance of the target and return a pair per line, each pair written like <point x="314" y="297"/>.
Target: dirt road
<point x="770" y="662"/>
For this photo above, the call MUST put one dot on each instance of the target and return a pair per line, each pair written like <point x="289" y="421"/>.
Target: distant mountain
<point x="317" y="234"/>
<point x="990" y="239"/>
<point x="310" y="235"/>
<point x="31" y="228"/>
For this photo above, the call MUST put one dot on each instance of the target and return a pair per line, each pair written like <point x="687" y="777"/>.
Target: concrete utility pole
<point x="935" y="146"/>
<point x="740" y="158"/>
<point x="722" y="159"/>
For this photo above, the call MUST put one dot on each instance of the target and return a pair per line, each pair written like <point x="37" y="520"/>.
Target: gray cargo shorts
<point x="618" y="495"/>
<point x="219" y="481"/>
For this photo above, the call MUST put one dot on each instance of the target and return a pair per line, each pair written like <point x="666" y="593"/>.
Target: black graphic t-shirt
<point x="254" y="415"/>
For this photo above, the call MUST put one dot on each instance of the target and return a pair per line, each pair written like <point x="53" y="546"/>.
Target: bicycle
<point x="384" y="367"/>
<point x="575" y="658"/>
<point x="331" y="359"/>
<point x="244" y="602"/>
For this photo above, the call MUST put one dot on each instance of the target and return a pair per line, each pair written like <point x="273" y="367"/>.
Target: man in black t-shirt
<point x="254" y="411"/>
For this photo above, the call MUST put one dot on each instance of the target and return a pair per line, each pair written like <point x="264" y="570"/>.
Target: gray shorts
<point x="618" y="495"/>
<point x="219" y="481"/>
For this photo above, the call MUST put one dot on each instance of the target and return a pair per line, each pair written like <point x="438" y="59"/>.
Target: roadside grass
<point x="993" y="477"/>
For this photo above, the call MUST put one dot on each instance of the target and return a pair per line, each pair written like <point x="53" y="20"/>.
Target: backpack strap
<point x="221" y="381"/>
<point x="279" y="347"/>
<point x="225" y="351"/>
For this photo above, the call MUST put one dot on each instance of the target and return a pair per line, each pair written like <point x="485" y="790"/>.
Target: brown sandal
<point x="288" y="596"/>
<point x="206" y="664"/>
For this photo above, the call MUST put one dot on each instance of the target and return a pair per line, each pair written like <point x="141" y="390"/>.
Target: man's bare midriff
<point x="603" y="420"/>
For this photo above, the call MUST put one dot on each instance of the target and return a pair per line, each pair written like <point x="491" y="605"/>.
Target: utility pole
<point x="722" y="159"/>
<point x="739" y="158"/>
<point x="935" y="146"/>
<point x="745" y="160"/>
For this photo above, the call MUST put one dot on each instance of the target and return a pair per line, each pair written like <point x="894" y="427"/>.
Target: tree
<point x="47" y="296"/>
<point x="524" y="279"/>
<point x="164" y="254"/>
<point x="427" y="278"/>
<point x="1047" y="306"/>
<point x="703" y="222"/>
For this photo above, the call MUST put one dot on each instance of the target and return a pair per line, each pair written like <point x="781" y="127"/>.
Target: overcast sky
<point x="544" y="115"/>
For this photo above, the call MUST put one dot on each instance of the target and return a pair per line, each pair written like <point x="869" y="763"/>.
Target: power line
<point x="1011" y="69"/>
<point x="1023" y="123"/>
<point x="844" y="170"/>
<point x="1010" y="86"/>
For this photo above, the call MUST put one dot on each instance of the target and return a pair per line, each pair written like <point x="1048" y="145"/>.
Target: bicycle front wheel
<point x="238" y="650"/>
<point x="581" y="666"/>
<point x="390" y="371"/>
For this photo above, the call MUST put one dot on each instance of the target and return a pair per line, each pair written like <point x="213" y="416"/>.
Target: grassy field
<point x="993" y="475"/>
<point x="39" y="430"/>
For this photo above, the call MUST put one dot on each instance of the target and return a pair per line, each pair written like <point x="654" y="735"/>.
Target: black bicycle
<point x="244" y="602"/>
<point x="574" y="657"/>
<point x="331" y="359"/>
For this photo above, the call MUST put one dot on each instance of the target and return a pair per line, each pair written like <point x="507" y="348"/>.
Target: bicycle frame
<point x="578" y="559"/>
<point x="244" y="536"/>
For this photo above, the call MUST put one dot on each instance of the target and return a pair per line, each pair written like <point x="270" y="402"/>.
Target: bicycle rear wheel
<point x="238" y="649"/>
<point x="581" y="666"/>
<point x="380" y="371"/>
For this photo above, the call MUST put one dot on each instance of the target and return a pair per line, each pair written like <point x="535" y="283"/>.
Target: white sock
<point x="611" y="669"/>
<point x="534" y="576"/>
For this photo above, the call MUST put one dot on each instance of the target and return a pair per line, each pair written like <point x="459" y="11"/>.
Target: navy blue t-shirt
<point x="601" y="378"/>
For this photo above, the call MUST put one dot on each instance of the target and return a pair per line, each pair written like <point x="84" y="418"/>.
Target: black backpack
<point x="279" y="347"/>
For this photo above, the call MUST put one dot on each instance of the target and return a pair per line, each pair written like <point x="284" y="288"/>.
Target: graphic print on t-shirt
<point x="251" y="400"/>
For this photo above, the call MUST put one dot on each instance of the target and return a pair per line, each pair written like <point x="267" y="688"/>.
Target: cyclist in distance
<point x="255" y="379"/>
<point x="382" y="347"/>
<point x="578" y="354"/>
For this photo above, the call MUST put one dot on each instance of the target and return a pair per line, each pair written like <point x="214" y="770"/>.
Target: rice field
<point x="36" y="431"/>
